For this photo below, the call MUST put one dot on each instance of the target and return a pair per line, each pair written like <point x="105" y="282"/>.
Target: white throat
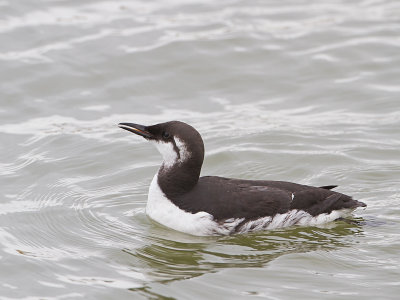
<point x="169" y="152"/>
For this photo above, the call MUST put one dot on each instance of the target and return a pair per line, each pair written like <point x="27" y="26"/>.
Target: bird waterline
<point x="212" y="205"/>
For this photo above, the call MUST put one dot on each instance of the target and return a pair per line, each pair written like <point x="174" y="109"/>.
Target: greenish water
<point x="288" y="90"/>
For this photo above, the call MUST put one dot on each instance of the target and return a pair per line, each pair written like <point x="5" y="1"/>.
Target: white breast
<point x="162" y="210"/>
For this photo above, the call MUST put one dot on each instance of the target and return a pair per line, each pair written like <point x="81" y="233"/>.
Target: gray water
<point x="303" y="91"/>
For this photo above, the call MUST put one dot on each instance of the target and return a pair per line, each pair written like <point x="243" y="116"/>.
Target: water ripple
<point x="304" y="92"/>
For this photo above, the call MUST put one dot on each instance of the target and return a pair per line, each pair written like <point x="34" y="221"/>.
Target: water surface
<point x="287" y="90"/>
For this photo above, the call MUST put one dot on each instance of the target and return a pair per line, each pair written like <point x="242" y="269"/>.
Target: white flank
<point x="291" y="218"/>
<point x="162" y="210"/>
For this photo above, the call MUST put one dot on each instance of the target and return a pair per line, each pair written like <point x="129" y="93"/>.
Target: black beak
<point x="136" y="128"/>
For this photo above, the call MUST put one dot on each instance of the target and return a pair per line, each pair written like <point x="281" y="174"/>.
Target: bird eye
<point x="165" y="135"/>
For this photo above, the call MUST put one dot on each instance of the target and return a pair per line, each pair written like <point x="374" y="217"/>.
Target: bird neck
<point x="179" y="178"/>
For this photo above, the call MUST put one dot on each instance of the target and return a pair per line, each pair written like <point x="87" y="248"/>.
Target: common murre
<point x="182" y="200"/>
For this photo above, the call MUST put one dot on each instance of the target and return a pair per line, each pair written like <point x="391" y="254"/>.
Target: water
<point x="303" y="91"/>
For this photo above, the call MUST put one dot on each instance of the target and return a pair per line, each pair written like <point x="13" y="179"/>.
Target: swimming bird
<point x="180" y="199"/>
